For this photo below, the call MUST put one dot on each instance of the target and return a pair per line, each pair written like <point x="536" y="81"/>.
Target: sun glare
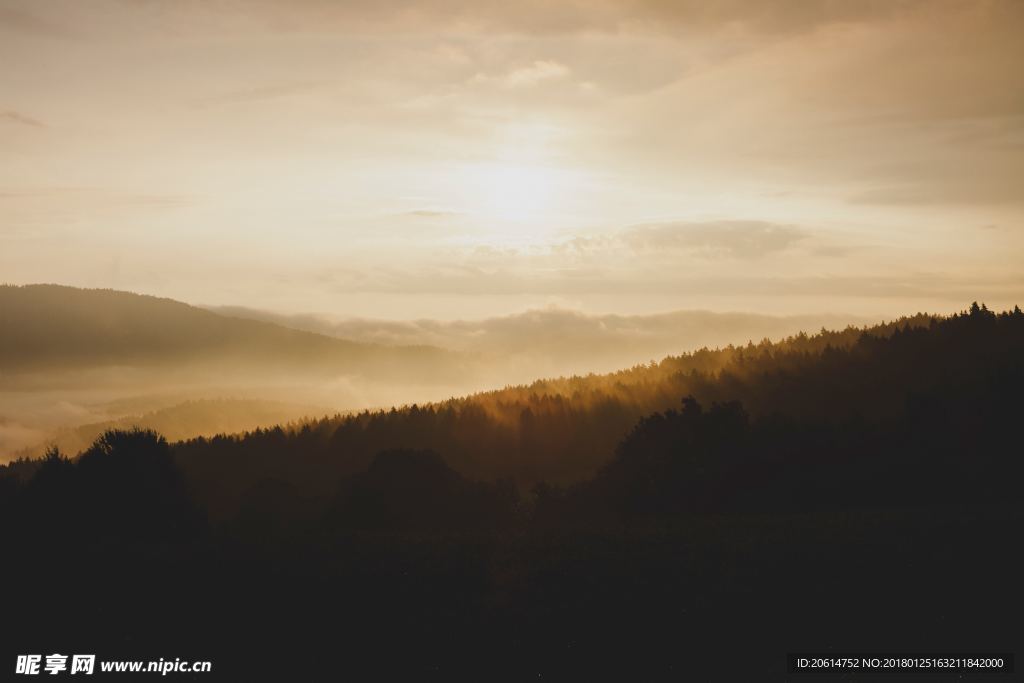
<point x="516" y="201"/>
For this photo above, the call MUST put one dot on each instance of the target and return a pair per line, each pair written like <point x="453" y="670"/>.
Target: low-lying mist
<point x="551" y="341"/>
<point x="73" y="362"/>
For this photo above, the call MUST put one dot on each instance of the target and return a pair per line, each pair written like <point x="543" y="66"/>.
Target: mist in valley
<point x="554" y="341"/>
<point x="75" y="362"/>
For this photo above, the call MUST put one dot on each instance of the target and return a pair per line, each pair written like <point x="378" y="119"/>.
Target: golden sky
<point x="455" y="159"/>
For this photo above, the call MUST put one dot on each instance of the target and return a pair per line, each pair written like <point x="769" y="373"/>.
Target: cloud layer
<point x="736" y="239"/>
<point x="484" y="157"/>
<point x="556" y="341"/>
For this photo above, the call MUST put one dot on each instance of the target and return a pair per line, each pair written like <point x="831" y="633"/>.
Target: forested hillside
<point x="563" y="430"/>
<point x="767" y="499"/>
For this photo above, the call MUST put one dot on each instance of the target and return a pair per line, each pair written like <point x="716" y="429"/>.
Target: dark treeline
<point x="844" y="491"/>
<point x="561" y="431"/>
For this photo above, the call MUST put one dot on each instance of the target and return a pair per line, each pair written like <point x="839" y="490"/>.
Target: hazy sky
<point x="460" y="159"/>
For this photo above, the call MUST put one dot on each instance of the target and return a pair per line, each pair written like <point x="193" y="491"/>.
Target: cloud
<point x="612" y="275"/>
<point x="539" y="71"/>
<point x="888" y="124"/>
<point x="431" y="213"/>
<point x="535" y="73"/>
<point x="778" y="16"/>
<point x="715" y="239"/>
<point x="541" y="17"/>
<point x="19" y="21"/>
<point x="156" y="201"/>
<point x="14" y="117"/>
<point x="919" y="193"/>
<point x="983" y="176"/>
<point x="262" y="92"/>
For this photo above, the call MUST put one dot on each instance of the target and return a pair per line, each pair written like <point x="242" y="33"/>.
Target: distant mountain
<point x="52" y="327"/>
<point x="552" y="341"/>
<point x="75" y="360"/>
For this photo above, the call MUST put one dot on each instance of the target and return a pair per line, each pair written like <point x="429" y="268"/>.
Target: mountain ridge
<point x="140" y="326"/>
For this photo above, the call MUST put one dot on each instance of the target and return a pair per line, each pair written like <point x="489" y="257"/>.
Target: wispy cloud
<point x="574" y="16"/>
<point x="260" y="92"/>
<point x="16" y="118"/>
<point x="20" y="21"/>
<point x="431" y="213"/>
<point x="72" y="200"/>
<point x="539" y="71"/>
<point x="733" y="239"/>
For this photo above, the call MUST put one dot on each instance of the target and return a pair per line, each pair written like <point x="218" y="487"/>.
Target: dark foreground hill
<point x="845" y="492"/>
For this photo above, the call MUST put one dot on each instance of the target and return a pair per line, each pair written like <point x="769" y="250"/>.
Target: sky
<point x="452" y="160"/>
